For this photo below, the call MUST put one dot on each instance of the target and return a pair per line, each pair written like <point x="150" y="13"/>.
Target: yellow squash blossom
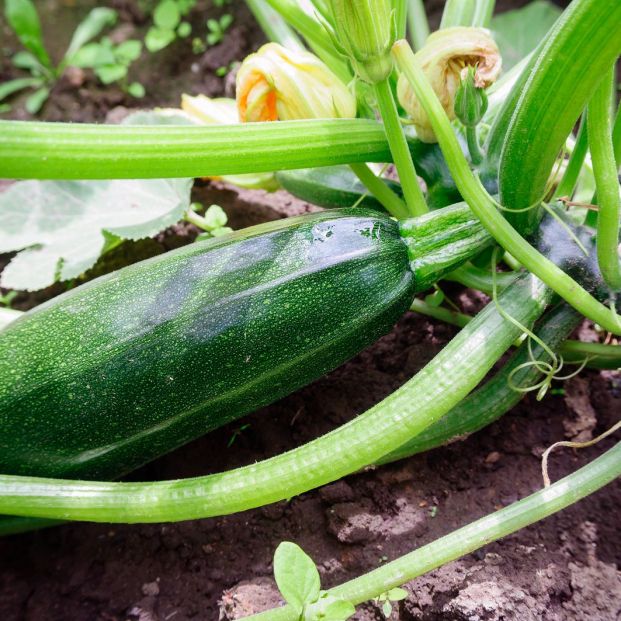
<point x="445" y="59"/>
<point x="280" y="84"/>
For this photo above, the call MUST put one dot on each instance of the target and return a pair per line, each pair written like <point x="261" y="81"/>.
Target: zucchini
<point x="112" y="374"/>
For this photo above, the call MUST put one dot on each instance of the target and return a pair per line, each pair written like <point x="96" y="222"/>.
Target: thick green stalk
<point x="606" y="181"/>
<point x="488" y="403"/>
<point x="483" y="13"/>
<point x="570" y="178"/>
<point x="274" y="26"/>
<point x="393" y="204"/>
<point x="447" y="379"/>
<point x="599" y="355"/>
<point x="484" y="206"/>
<point x="418" y="24"/>
<point x="462" y="541"/>
<point x="478" y="278"/>
<point x="578" y="52"/>
<point x="401" y="17"/>
<point x="31" y="150"/>
<point x="412" y="192"/>
<point x="473" y="145"/>
<point x="457" y="13"/>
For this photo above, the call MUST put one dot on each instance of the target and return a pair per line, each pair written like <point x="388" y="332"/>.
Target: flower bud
<point x="365" y="32"/>
<point x="470" y="101"/>
<point x="279" y="84"/>
<point x="445" y="60"/>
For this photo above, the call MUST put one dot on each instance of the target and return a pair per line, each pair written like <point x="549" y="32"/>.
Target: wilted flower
<point x="279" y="84"/>
<point x="365" y="32"/>
<point x="445" y="60"/>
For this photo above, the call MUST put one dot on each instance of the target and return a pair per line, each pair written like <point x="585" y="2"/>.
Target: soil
<point x="564" y="568"/>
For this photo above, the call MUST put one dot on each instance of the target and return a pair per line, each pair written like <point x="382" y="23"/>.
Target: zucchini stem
<point x="606" y="181"/>
<point x="462" y="541"/>
<point x="483" y="205"/>
<point x="414" y="198"/>
<point x="274" y="26"/>
<point x="476" y="155"/>
<point x="411" y="409"/>
<point x="389" y="199"/>
<point x="418" y="23"/>
<point x="483" y="12"/>
<point x="569" y="181"/>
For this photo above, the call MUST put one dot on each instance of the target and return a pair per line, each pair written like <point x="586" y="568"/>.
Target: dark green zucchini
<point x="114" y="373"/>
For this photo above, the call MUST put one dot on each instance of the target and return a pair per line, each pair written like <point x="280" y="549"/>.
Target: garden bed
<point x="564" y="568"/>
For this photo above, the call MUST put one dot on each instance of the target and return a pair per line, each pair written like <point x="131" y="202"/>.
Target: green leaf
<point x="111" y="73"/>
<point x="167" y="15"/>
<point x="328" y="608"/>
<point x="35" y="102"/>
<point x="89" y="28"/>
<point x="60" y="226"/>
<point x="24" y="20"/>
<point x="296" y="575"/>
<point x="93" y="55"/>
<point x="158" y="38"/>
<point x="223" y="230"/>
<point x="396" y="594"/>
<point x="518" y="32"/>
<point x="215" y="217"/>
<point x="28" y="61"/>
<point x="128" y="51"/>
<point x="19" y="84"/>
<point x="387" y="609"/>
<point x="135" y="89"/>
<point x="184" y="30"/>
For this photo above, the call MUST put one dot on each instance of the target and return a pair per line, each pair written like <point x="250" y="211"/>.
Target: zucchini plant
<point x="125" y="368"/>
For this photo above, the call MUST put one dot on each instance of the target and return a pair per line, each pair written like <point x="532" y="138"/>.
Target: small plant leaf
<point x="158" y="38"/>
<point x="28" y="61"/>
<point x="167" y="15"/>
<point x="215" y="217"/>
<point x="62" y="225"/>
<point x="35" y="102"/>
<point x="135" y="89"/>
<point x="89" y="28"/>
<point x="396" y="594"/>
<point x="184" y="30"/>
<point x="329" y="608"/>
<point x="23" y="18"/>
<point x="296" y="575"/>
<point x="19" y="84"/>
<point x="92" y="55"/>
<point x="387" y="609"/>
<point x="111" y="73"/>
<point x="128" y="51"/>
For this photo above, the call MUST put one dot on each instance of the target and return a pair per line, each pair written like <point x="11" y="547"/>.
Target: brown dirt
<point x="565" y="568"/>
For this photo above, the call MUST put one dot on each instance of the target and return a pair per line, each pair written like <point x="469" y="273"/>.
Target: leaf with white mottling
<point x="61" y="226"/>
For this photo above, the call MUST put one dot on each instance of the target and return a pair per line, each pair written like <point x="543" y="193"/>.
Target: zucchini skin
<point x="110" y="375"/>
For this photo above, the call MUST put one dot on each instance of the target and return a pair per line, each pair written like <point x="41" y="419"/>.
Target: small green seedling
<point x="299" y="583"/>
<point x="236" y="434"/>
<point x="216" y="29"/>
<point x="388" y="598"/>
<point x="168" y="24"/>
<point x="110" y="63"/>
<point x="7" y="298"/>
<point x="213" y="223"/>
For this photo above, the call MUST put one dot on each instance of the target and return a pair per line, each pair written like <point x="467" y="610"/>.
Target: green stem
<point x="32" y="150"/>
<point x="274" y="26"/>
<point x="478" y="278"/>
<point x="488" y="403"/>
<point x="418" y="24"/>
<point x="570" y="179"/>
<point x="441" y="313"/>
<point x="457" y="13"/>
<point x="401" y="16"/>
<point x="483" y="13"/>
<point x="462" y="541"/>
<point x="484" y="206"/>
<point x="412" y="192"/>
<point x="447" y="379"/>
<point x="606" y="182"/>
<point x="600" y="356"/>
<point x="197" y="220"/>
<point x="473" y="145"/>
<point x="393" y="204"/>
